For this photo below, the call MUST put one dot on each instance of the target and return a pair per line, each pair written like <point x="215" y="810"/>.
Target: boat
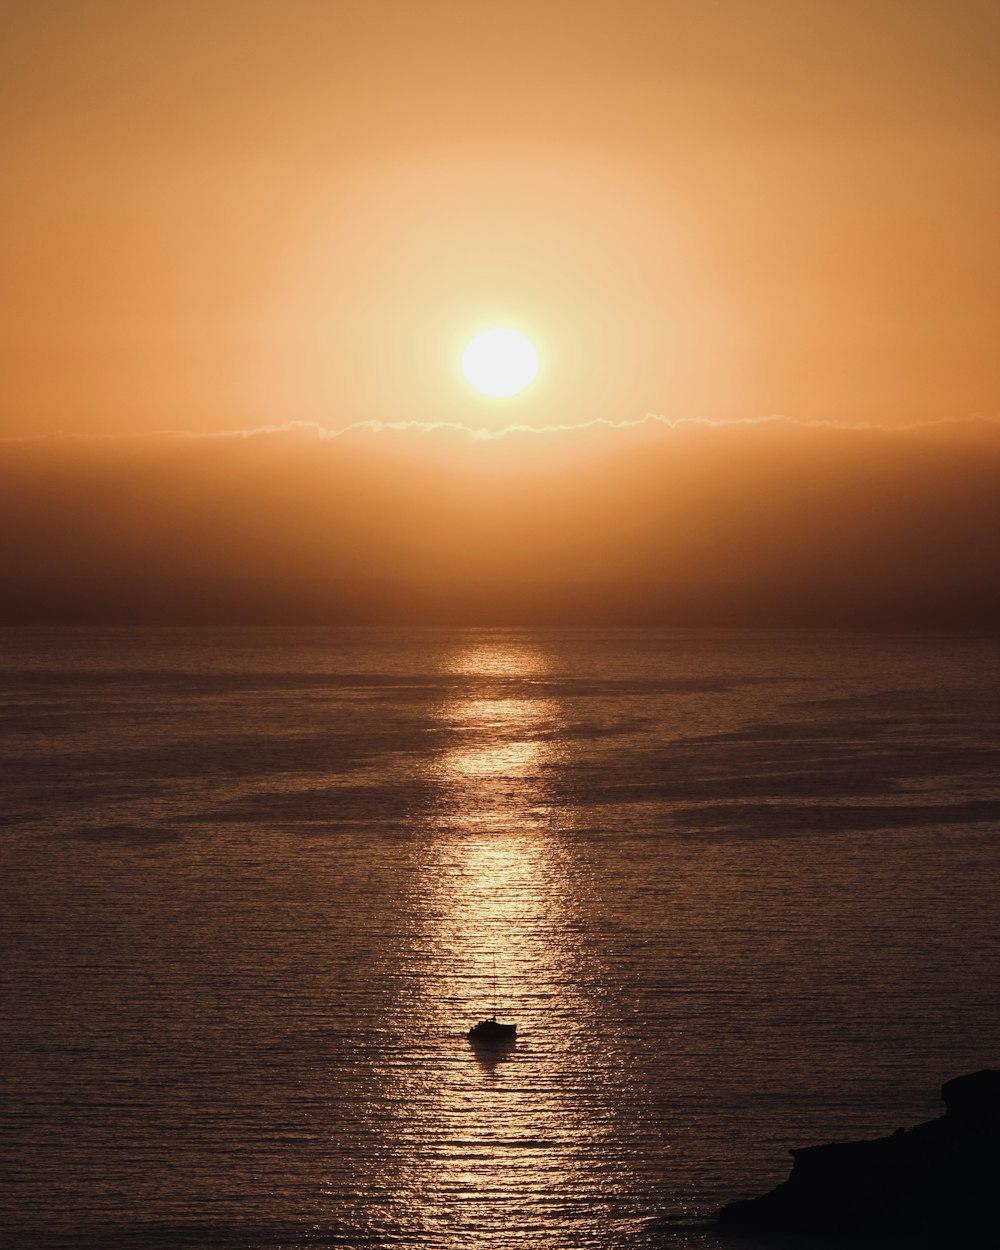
<point x="491" y="1031"/>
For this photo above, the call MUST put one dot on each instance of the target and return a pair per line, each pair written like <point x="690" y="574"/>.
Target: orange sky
<point x="244" y="213"/>
<point x="269" y="227"/>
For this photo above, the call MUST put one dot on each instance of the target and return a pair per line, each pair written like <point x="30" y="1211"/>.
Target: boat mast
<point x="494" y="985"/>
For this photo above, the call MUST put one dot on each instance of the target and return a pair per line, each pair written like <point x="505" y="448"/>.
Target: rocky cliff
<point x="937" y="1183"/>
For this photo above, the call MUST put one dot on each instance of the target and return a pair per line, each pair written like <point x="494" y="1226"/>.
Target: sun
<point x="500" y="362"/>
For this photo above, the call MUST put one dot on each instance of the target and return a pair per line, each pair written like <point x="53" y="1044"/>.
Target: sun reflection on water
<point x="502" y="735"/>
<point x="500" y="729"/>
<point x="497" y="659"/>
<point x="503" y="1142"/>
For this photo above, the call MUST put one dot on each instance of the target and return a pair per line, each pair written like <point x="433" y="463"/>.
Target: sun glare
<point x="500" y="362"/>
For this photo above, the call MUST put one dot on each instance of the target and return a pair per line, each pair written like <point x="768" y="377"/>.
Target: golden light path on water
<point x="514" y="1141"/>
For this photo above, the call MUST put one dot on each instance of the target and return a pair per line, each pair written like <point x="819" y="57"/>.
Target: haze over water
<point x="740" y="889"/>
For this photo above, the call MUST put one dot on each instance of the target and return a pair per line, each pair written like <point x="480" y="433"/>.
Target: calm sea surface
<point x="741" y="890"/>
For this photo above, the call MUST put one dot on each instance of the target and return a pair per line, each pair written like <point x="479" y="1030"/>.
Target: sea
<point x="738" y="891"/>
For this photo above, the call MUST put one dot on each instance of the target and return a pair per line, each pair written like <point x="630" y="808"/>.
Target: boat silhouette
<point x="491" y="1031"/>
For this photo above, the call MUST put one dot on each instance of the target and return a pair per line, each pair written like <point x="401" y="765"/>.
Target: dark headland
<point x="935" y="1184"/>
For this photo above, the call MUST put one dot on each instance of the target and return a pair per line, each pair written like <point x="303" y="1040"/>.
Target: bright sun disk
<point x="499" y="362"/>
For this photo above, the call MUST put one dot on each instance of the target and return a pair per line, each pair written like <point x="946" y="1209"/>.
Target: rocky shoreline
<point x="934" y="1183"/>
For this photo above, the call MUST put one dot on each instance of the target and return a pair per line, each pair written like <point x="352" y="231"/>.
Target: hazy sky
<point x="765" y="522"/>
<point x="241" y="213"/>
<point x="248" y="216"/>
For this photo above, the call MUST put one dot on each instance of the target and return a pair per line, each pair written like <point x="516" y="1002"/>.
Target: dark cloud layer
<point x="758" y="523"/>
